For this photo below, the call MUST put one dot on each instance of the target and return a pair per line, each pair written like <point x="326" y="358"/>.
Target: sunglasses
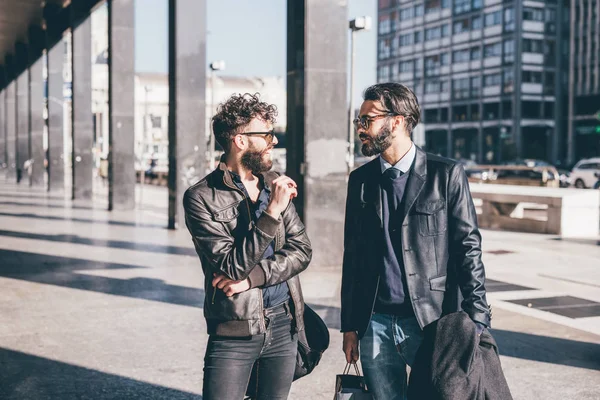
<point x="365" y="120"/>
<point x="268" y="136"/>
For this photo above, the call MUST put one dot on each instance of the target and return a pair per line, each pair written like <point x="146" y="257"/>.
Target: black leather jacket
<point x="440" y="240"/>
<point x="229" y="242"/>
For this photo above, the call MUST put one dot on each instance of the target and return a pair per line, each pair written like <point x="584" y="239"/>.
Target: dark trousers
<point x="228" y="362"/>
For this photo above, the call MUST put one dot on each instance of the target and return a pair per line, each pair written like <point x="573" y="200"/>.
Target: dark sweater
<point x="392" y="295"/>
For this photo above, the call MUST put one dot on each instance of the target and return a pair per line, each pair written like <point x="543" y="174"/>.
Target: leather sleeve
<point x="291" y="259"/>
<point x="234" y="259"/>
<point x="349" y="277"/>
<point x="465" y="246"/>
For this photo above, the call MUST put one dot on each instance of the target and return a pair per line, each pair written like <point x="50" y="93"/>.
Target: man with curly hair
<point x="252" y="246"/>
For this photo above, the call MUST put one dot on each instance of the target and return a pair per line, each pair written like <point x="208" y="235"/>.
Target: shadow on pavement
<point x="548" y="349"/>
<point x="62" y="271"/>
<point x="117" y="244"/>
<point x="84" y="220"/>
<point x="516" y="344"/>
<point x="46" y="205"/>
<point x="24" y="376"/>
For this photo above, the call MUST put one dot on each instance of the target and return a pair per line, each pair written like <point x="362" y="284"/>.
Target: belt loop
<point x="286" y="306"/>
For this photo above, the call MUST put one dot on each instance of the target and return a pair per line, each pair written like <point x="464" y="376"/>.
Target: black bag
<point x="312" y="343"/>
<point x="351" y="387"/>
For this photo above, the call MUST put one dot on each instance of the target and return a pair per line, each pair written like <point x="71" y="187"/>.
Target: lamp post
<point x="355" y="25"/>
<point x="214" y="67"/>
<point x="144" y="134"/>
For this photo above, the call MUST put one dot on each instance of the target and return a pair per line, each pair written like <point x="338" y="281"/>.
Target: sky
<point x="249" y="35"/>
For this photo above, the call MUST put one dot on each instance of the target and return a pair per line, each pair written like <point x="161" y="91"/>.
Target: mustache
<point x="362" y="136"/>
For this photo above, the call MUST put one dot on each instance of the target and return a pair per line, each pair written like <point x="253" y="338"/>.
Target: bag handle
<point x="356" y="369"/>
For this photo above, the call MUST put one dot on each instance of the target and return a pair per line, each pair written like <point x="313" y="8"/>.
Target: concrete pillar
<point x="36" y="107"/>
<point x="11" y="131"/>
<point x="187" y="103"/>
<point x="317" y="120"/>
<point x="3" y="149"/>
<point x="56" y="156"/>
<point x="121" y="92"/>
<point x="22" y="104"/>
<point x="82" y="119"/>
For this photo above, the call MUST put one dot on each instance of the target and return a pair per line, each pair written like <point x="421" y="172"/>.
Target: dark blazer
<point x="440" y="241"/>
<point x="454" y="363"/>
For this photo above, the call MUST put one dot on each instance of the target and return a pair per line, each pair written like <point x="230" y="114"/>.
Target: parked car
<point x="563" y="174"/>
<point x="583" y="174"/>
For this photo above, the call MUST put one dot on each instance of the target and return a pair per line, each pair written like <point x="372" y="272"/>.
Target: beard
<point x="379" y="143"/>
<point x="255" y="161"/>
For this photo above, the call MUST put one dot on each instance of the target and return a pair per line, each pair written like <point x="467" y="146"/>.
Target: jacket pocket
<point x="438" y="283"/>
<point x="432" y="217"/>
<point x="227" y="214"/>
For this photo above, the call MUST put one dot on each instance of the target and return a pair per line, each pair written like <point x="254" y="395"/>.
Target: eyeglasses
<point x="268" y="136"/>
<point x="365" y="120"/>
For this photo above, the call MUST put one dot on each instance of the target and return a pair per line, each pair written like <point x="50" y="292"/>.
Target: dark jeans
<point x="228" y="362"/>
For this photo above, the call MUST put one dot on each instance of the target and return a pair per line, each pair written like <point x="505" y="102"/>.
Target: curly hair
<point x="237" y="112"/>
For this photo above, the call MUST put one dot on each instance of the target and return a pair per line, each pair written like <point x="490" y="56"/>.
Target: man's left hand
<point x="228" y="286"/>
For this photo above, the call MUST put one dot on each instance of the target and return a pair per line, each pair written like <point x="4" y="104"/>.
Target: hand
<point x="284" y="189"/>
<point x="229" y="286"/>
<point x="351" y="347"/>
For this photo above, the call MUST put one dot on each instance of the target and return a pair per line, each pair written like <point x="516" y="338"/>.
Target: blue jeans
<point x="229" y="361"/>
<point x="388" y="346"/>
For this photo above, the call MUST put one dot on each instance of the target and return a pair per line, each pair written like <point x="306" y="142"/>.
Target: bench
<point x="573" y="213"/>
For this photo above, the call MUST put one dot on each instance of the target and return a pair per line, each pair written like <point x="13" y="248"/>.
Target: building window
<point x="433" y="33"/>
<point x="509" y="19"/>
<point x="533" y="14"/>
<point x="385" y="24"/>
<point x="532" y="46"/>
<point x="475" y="53"/>
<point x="432" y="6"/>
<point x="406" y="13"/>
<point x="509" y="80"/>
<point x="419" y="10"/>
<point x="406" y="40"/>
<point x="475" y="86"/>
<point x="406" y="66"/>
<point x="460" y="88"/>
<point x="509" y="50"/>
<point x="156" y="121"/>
<point x="445" y="3"/>
<point x="492" y="80"/>
<point x="418" y="37"/>
<point x="477" y="4"/>
<point x="461" y="26"/>
<point x="493" y="18"/>
<point x="432" y="87"/>
<point x="462" y="6"/>
<point x="432" y="65"/>
<point x="445" y="87"/>
<point x="476" y="23"/>
<point x="384" y="48"/>
<point x="445" y="59"/>
<point x="549" y="83"/>
<point x="384" y="73"/>
<point x="492" y="50"/>
<point x="532" y="77"/>
<point x="445" y="30"/>
<point x="460" y="56"/>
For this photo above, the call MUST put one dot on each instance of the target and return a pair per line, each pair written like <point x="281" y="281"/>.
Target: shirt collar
<point x="405" y="162"/>
<point x="238" y="181"/>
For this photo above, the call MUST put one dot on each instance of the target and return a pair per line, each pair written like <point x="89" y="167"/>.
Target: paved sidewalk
<point x="102" y="305"/>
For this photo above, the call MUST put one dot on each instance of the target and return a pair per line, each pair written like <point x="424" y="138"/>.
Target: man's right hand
<point x="284" y="189"/>
<point x="351" y="347"/>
